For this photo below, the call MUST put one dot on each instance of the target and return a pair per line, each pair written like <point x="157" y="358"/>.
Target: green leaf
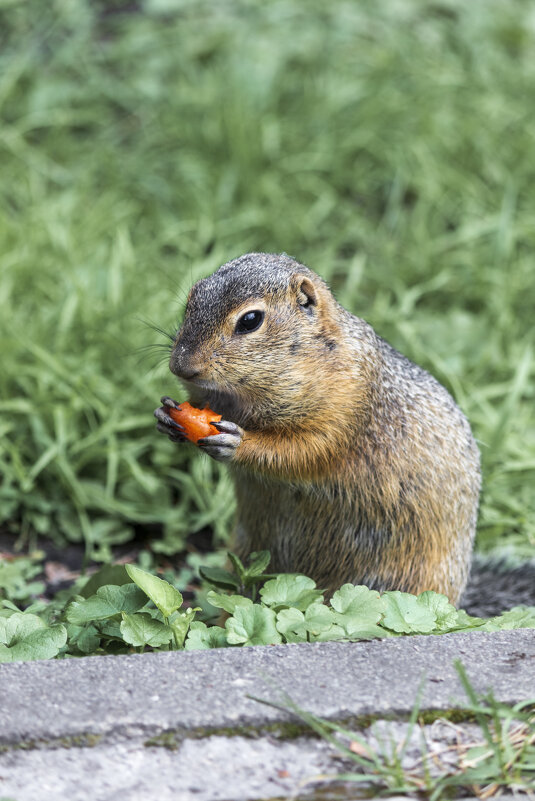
<point x="227" y="602"/>
<point x="180" y="624"/>
<point x="109" y="574"/>
<point x="357" y="610"/>
<point x="109" y="600"/>
<point x="141" y="629"/>
<point x="18" y="626"/>
<point x="219" y="578"/>
<point x="466" y="622"/>
<point x="291" y="624"/>
<point x="252" y="625"/>
<point x="406" y="614"/>
<point x="259" y="561"/>
<point x="111" y="628"/>
<point x="9" y="605"/>
<point x="162" y="594"/>
<point x="15" y="578"/>
<point x="290" y="590"/>
<point x="446" y="615"/>
<point x="25" y="637"/>
<point x="369" y="632"/>
<point x="321" y="624"/>
<point x="81" y="611"/>
<point x="520" y="617"/>
<point x="202" y="637"/>
<point x="126" y="598"/>
<point x="238" y="566"/>
<point x="318" y="622"/>
<point x="88" y="640"/>
<point x="44" y="644"/>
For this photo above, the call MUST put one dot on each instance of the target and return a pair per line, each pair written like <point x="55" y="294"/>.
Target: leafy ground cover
<point x="387" y="145"/>
<point x="123" y="608"/>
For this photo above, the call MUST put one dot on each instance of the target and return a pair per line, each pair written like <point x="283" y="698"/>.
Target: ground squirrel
<point x="351" y="463"/>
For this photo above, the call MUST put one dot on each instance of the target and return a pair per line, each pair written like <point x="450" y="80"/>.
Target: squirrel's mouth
<point x="200" y="383"/>
<point x="219" y="398"/>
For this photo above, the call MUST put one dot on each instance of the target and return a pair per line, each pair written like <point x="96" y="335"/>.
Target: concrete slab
<point x="197" y="693"/>
<point x="221" y="768"/>
<point x="216" y="768"/>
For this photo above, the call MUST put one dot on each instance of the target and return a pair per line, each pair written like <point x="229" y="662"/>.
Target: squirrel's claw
<point x="161" y="415"/>
<point x="174" y="436"/>
<point x="222" y="447"/>
<point x="167" y="401"/>
<point x="166" y="424"/>
<point x="226" y="427"/>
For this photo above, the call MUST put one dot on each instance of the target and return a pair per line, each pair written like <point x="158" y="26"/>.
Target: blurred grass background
<point x="389" y="146"/>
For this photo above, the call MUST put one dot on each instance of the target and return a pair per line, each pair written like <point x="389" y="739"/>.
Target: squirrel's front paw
<point x="222" y="447"/>
<point x="166" y="424"/>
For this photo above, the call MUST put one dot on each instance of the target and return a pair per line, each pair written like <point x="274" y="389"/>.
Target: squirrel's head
<point x="260" y="332"/>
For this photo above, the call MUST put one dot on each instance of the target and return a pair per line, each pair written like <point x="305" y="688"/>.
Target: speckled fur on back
<point x="356" y="464"/>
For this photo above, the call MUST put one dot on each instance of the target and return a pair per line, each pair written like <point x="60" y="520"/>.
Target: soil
<point x="64" y="564"/>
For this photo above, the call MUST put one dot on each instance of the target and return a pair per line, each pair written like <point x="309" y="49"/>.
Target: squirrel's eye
<point x="250" y="321"/>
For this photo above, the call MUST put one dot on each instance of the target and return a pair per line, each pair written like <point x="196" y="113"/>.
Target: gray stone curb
<point x="201" y="692"/>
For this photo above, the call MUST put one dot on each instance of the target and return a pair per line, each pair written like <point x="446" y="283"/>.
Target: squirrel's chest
<point x="309" y="530"/>
<point x="274" y="513"/>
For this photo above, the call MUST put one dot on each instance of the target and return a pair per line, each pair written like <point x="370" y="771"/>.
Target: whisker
<point x="157" y="328"/>
<point x="154" y="346"/>
<point x="146" y="355"/>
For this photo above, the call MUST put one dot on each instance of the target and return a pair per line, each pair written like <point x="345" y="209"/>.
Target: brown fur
<point x="355" y="465"/>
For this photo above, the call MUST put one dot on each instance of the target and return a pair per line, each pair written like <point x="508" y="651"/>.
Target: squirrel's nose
<point x="180" y="365"/>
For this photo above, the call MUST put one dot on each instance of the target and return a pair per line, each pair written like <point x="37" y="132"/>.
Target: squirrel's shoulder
<point x="398" y="376"/>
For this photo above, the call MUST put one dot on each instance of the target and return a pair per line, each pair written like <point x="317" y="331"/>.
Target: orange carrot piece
<point x="195" y="422"/>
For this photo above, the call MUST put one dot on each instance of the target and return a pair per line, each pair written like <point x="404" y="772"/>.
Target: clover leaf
<point x="227" y="602"/>
<point x="291" y="624"/>
<point x="358" y="610"/>
<point x="445" y="613"/>
<point x="407" y="614"/>
<point x="290" y="590"/>
<point x="519" y="617"/>
<point x="27" y="637"/>
<point x="200" y="637"/>
<point x="252" y="625"/>
<point x="321" y="624"/>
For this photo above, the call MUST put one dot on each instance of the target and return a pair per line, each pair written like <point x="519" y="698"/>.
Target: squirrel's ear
<point x="306" y="294"/>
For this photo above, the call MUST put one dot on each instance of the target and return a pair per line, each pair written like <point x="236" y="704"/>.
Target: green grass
<point x="387" y="145"/>
<point x="494" y="754"/>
